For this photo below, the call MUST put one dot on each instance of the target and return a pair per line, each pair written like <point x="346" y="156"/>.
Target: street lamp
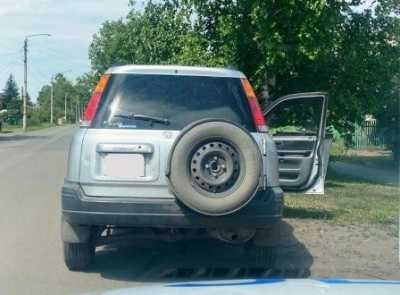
<point x="26" y="75"/>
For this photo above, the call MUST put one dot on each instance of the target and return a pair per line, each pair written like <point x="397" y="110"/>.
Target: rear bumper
<point x="77" y="208"/>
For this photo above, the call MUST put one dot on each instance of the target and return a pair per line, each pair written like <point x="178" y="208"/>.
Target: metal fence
<point x="367" y="135"/>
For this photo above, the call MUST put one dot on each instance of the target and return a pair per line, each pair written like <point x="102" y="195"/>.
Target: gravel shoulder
<point x="342" y="251"/>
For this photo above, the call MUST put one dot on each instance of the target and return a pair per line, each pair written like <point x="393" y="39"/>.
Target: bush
<point x="36" y="117"/>
<point x="338" y="147"/>
<point x="33" y="120"/>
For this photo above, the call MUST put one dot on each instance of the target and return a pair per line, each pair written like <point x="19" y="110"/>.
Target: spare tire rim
<point x="215" y="166"/>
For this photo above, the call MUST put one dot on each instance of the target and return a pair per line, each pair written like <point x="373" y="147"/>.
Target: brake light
<point x="94" y="101"/>
<point x="258" y="116"/>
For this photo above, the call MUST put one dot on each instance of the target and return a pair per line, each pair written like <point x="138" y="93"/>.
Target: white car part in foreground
<point x="268" y="286"/>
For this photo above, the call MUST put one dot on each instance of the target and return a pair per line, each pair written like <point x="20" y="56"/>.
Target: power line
<point x="37" y="76"/>
<point x="40" y="73"/>
<point x="12" y="60"/>
<point x="6" y="46"/>
<point x="60" y="56"/>
<point x="9" y="66"/>
<point x="5" y="54"/>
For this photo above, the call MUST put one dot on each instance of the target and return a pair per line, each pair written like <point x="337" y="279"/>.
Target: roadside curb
<point x="33" y="132"/>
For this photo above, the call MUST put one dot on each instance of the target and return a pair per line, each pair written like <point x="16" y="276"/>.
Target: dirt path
<point x="366" y="173"/>
<point x="339" y="251"/>
<point x="301" y="249"/>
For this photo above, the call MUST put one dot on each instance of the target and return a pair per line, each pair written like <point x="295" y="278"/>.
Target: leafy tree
<point x="43" y="102"/>
<point x="388" y="115"/>
<point x="155" y="35"/>
<point x="84" y="87"/>
<point x="61" y="88"/>
<point x="78" y="93"/>
<point x="282" y="46"/>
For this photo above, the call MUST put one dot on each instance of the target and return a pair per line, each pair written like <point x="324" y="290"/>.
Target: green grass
<point x="18" y="128"/>
<point x="348" y="201"/>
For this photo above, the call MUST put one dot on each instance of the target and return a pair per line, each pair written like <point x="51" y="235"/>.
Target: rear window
<point x="179" y="99"/>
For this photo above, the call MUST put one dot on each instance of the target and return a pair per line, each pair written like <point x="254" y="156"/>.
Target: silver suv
<point x="179" y="151"/>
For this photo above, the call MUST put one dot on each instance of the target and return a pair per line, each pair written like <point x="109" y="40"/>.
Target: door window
<point x="300" y="116"/>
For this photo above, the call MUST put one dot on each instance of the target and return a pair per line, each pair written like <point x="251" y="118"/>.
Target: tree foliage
<point x="10" y="91"/>
<point x="154" y="36"/>
<point x="11" y="101"/>
<point x="84" y="86"/>
<point x="62" y="89"/>
<point x="282" y="46"/>
<point x="344" y="47"/>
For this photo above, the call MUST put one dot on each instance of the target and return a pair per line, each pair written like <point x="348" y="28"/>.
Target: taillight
<point x="94" y="101"/>
<point x="258" y="116"/>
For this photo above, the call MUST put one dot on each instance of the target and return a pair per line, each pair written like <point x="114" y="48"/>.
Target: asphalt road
<point x="32" y="168"/>
<point x="31" y="174"/>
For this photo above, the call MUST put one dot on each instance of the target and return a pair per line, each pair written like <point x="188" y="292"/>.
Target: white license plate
<point x="123" y="166"/>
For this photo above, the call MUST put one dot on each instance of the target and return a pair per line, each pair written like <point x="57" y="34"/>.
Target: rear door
<point x="297" y="124"/>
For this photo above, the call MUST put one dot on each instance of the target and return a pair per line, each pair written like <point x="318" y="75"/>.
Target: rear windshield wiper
<point x="143" y="117"/>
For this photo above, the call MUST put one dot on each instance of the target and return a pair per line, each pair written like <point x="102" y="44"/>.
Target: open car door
<point x="297" y="124"/>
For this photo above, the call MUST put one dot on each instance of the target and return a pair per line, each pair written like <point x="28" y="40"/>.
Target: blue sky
<point x="71" y="24"/>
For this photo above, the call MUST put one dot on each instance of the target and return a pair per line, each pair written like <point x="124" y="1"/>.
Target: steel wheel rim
<point x="215" y="167"/>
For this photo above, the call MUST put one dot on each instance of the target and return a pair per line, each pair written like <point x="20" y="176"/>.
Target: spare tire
<point x="214" y="167"/>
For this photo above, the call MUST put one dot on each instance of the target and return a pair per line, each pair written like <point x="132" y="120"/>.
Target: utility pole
<point x="26" y="77"/>
<point x="51" y="102"/>
<point x="22" y="99"/>
<point x="70" y="107"/>
<point x="25" y="83"/>
<point x="65" y="107"/>
<point x="76" y="113"/>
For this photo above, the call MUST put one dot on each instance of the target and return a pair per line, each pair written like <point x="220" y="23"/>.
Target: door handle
<point x="136" y="148"/>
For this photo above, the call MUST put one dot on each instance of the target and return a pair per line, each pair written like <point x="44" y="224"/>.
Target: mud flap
<point x="75" y="233"/>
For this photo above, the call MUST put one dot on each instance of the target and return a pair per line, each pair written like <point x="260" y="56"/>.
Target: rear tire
<point x="78" y="256"/>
